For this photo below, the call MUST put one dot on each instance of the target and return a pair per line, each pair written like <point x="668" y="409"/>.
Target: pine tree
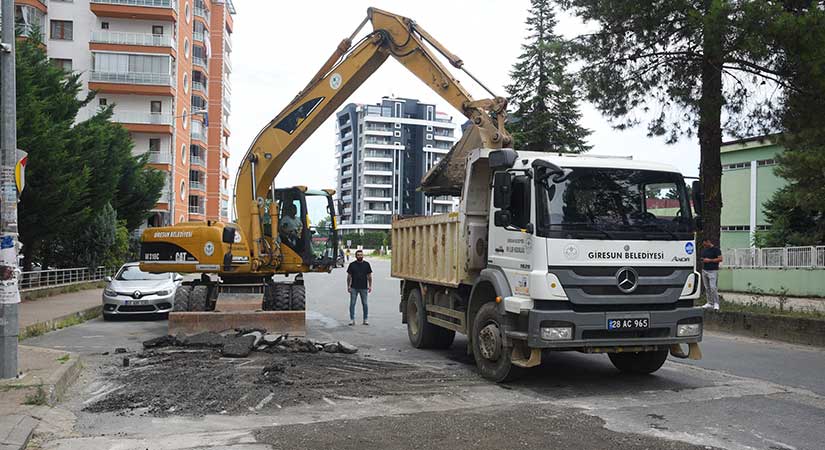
<point x="546" y="114"/>
<point x="690" y="67"/>
<point x="56" y="193"/>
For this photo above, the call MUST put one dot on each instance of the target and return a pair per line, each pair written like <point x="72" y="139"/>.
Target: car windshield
<point x="133" y="273"/>
<point x="606" y="200"/>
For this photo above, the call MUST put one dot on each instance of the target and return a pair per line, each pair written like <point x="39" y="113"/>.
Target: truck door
<point x="511" y="237"/>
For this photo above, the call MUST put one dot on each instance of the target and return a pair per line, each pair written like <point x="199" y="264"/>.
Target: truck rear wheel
<point x="639" y="363"/>
<point x="491" y="355"/>
<point x="423" y="334"/>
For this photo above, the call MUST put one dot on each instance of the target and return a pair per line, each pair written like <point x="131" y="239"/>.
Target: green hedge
<point x="370" y="239"/>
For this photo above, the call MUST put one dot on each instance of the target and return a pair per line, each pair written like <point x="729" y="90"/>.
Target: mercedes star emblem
<point x="627" y="279"/>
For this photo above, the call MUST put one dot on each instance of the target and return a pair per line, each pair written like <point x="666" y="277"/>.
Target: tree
<point x="56" y="191"/>
<point x="546" y="115"/>
<point x="690" y="67"/>
<point x="796" y="213"/>
<point x="76" y="172"/>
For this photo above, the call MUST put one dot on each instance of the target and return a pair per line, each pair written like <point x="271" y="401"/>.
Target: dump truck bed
<point x="429" y="249"/>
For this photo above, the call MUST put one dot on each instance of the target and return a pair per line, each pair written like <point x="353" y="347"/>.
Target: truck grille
<point x="597" y="285"/>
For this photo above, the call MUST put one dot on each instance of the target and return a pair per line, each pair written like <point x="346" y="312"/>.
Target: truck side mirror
<point x="502" y="218"/>
<point x="502" y="189"/>
<point x="228" y="235"/>
<point x="698" y="197"/>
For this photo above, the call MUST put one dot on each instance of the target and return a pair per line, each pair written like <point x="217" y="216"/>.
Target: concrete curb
<point x="15" y="431"/>
<point x="57" y="323"/>
<point x="786" y="329"/>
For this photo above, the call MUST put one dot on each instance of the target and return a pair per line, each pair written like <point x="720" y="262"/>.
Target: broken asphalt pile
<point x="247" y="371"/>
<point x="241" y="343"/>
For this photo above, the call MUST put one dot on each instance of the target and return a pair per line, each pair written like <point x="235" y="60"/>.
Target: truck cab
<point x="567" y="252"/>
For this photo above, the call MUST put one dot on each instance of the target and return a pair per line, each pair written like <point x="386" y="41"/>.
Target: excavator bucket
<point x="447" y="177"/>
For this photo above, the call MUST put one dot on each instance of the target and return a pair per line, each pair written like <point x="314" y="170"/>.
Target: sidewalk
<point x="796" y="303"/>
<point x="46" y="373"/>
<point x="50" y="308"/>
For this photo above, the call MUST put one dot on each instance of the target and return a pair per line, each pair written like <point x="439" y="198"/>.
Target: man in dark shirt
<point x="359" y="282"/>
<point x="711" y="257"/>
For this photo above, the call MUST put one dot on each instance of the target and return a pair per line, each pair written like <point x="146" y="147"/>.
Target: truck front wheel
<point x="423" y="334"/>
<point x="491" y="355"/>
<point x="638" y="363"/>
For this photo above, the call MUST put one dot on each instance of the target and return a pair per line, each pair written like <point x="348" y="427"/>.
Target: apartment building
<point x="165" y="65"/>
<point x="382" y="151"/>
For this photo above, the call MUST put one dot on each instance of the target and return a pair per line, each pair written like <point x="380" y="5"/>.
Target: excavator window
<point x="290" y="226"/>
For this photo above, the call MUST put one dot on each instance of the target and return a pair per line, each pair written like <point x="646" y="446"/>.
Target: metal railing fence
<point x="776" y="257"/>
<point x="41" y="279"/>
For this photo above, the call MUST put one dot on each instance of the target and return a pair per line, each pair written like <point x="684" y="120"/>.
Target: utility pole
<point x="9" y="294"/>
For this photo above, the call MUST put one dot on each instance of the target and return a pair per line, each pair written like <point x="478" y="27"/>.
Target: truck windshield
<point x="607" y="203"/>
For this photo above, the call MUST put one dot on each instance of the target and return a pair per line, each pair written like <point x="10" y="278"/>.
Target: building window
<point x="182" y="193"/>
<point x="397" y="125"/>
<point x="429" y="128"/>
<point x="102" y="101"/>
<point x="157" y="30"/>
<point x="186" y="47"/>
<point x="65" y="64"/>
<point x="155" y="106"/>
<point x="398" y="110"/>
<point x="61" y="30"/>
<point x="154" y="145"/>
<point x="429" y="137"/>
<point x="185" y="119"/>
<point x="183" y="156"/>
<point x="428" y="146"/>
<point x="430" y="113"/>
<point x="104" y="25"/>
<point x="397" y="134"/>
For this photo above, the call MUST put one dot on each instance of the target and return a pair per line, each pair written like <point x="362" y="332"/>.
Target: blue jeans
<point x="363" y="293"/>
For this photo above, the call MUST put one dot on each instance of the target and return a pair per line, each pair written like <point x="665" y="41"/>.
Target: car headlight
<point x="109" y="292"/>
<point x="163" y="293"/>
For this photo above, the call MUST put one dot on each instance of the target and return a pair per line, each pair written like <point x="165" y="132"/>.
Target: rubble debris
<point x="331" y="347"/>
<point x="274" y="339"/>
<point x="238" y="347"/>
<point x="161" y="341"/>
<point x="125" y="361"/>
<point x="120" y="350"/>
<point x="347" y="348"/>
<point x="205" y="339"/>
<point x="258" y="337"/>
<point x="245" y="331"/>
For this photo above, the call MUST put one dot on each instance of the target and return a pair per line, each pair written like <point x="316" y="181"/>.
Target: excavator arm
<point x="348" y="67"/>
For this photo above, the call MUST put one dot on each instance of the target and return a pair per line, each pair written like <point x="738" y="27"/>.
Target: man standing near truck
<point x="359" y="283"/>
<point x="711" y="257"/>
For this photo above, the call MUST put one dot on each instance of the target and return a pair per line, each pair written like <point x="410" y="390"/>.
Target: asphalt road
<point x="744" y="394"/>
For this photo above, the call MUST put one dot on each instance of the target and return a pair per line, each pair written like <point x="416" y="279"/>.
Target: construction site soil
<point x="193" y="382"/>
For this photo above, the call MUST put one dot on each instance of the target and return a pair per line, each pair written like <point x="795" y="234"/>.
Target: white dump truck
<point x="555" y="252"/>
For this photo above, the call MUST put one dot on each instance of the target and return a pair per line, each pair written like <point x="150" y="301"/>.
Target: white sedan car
<point x="133" y="292"/>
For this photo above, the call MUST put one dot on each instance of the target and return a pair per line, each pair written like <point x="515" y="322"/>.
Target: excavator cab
<point x="306" y="227"/>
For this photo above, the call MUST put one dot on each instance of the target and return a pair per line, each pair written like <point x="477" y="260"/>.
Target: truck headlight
<point x="688" y="329"/>
<point x="557" y="333"/>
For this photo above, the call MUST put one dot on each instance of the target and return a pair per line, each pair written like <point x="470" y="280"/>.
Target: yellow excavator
<point x="273" y="234"/>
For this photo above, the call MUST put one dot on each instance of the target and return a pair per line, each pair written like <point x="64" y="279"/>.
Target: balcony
<point x="227" y="62"/>
<point x="136" y="9"/>
<point x="224" y="191"/>
<point x="198" y="131"/>
<point x="140" y="83"/>
<point x="200" y="86"/>
<point x="196" y="186"/>
<point x="197" y="209"/>
<point x="200" y="36"/>
<point x="200" y="61"/>
<point x="202" y="12"/>
<point x="124" y="38"/>
<point x="227" y="43"/>
<point x="198" y="160"/>
<point x="227" y="106"/>
<point x="165" y="196"/>
<point x="159" y="157"/>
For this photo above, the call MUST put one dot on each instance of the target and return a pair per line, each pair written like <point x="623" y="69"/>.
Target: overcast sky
<point x="278" y="46"/>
